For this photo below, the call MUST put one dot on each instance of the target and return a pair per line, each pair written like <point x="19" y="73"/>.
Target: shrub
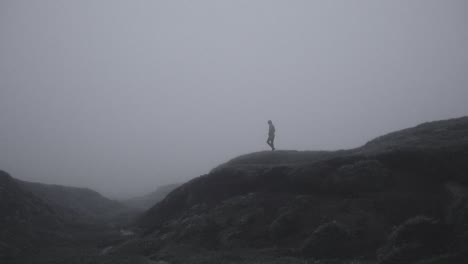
<point x="362" y="176"/>
<point x="417" y="238"/>
<point x="283" y="225"/>
<point x="330" y="240"/>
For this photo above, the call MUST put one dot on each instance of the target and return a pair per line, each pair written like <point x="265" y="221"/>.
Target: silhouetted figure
<point x="271" y="135"/>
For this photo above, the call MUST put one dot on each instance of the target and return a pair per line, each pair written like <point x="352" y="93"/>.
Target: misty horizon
<point x="123" y="97"/>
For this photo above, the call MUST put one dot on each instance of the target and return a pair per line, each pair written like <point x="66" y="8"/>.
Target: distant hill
<point x="78" y="203"/>
<point x="401" y="198"/>
<point x="43" y="223"/>
<point x="25" y="220"/>
<point x="145" y="202"/>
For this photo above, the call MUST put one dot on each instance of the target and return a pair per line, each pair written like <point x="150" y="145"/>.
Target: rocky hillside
<point x="147" y="201"/>
<point x="401" y="198"/>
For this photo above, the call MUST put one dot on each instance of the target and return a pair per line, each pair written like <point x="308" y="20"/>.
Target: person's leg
<point x="272" y="143"/>
<point x="269" y="142"/>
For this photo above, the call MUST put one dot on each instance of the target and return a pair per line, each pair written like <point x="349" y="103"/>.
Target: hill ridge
<point x="284" y="199"/>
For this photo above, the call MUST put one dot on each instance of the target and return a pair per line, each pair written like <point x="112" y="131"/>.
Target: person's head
<point x="269" y="122"/>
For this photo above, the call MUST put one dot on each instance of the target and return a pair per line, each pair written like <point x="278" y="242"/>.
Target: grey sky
<point x="122" y="96"/>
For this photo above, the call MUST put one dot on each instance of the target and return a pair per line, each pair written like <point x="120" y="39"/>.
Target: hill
<point x="79" y="204"/>
<point x="42" y="223"/>
<point x="25" y="220"/>
<point x="401" y="198"/>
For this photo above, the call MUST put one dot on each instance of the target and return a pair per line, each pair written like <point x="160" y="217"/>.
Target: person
<point x="271" y="135"/>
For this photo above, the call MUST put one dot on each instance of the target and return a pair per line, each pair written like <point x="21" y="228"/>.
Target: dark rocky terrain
<point x="400" y="198"/>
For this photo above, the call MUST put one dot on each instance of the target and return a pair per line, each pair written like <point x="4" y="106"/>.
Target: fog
<point x="123" y="96"/>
